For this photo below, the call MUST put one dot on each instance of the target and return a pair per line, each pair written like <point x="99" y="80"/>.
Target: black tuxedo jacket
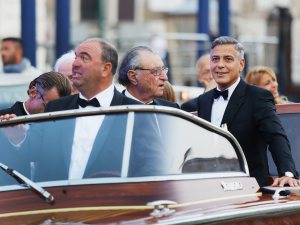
<point x="70" y="102"/>
<point x="190" y="105"/>
<point x="17" y="109"/>
<point x="251" y="117"/>
<point x="158" y="101"/>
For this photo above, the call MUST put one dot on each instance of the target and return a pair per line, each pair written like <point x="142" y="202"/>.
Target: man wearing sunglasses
<point x="143" y="74"/>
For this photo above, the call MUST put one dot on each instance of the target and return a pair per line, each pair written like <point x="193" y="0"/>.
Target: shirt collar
<point x="25" y="109"/>
<point x="104" y="97"/>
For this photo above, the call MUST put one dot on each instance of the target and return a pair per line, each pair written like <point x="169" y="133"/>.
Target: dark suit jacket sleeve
<point x="190" y="105"/>
<point x="270" y="127"/>
<point x="163" y="102"/>
<point x="16" y="109"/>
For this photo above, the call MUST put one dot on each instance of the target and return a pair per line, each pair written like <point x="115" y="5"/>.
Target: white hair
<point x="67" y="57"/>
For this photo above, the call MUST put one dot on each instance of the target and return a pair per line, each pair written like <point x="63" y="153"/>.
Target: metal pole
<point x="62" y="27"/>
<point x="101" y="18"/>
<point x="203" y="24"/>
<point x="203" y="17"/>
<point x="28" y="30"/>
<point x="224" y="18"/>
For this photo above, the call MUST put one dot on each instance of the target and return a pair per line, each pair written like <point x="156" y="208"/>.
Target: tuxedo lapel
<point x="117" y="98"/>
<point x="98" y="149"/>
<point x="235" y="102"/>
<point x="74" y="102"/>
<point x="205" y="105"/>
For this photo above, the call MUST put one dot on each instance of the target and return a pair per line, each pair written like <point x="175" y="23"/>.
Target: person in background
<point x="12" y="57"/>
<point x="248" y="112"/>
<point x="169" y="93"/>
<point x="64" y="65"/>
<point x="204" y="77"/>
<point x="265" y="77"/>
<point x="143" y="74"/>
<point x="46" y="87"/>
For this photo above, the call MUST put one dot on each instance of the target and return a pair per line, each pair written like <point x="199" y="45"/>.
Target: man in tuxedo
<point x="249" y="113"/>
<point x="46" y="87"/>
<point x="95" y="64"/>
<point x="143" y="74"/>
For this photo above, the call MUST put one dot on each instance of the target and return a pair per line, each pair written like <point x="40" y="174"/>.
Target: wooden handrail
<point x="288" y="108"/>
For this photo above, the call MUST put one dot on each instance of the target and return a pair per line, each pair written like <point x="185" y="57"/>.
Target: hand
<point x="281" y="181"/>
<point x="7" y="116"/>
<point x="209" y="84"/>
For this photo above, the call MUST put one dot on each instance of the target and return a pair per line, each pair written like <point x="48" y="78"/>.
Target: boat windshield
<point x="125" y="144"/>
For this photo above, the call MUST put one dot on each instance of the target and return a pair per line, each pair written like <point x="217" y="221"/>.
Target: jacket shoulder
<point x="190" y="105"/>
<point x="63" y="103"/>
<point x="164" y="102"/>
<point x="122" y="99"/>
<point x="16" y="108"/>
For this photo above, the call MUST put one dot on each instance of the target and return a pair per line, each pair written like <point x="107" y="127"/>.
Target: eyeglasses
<point x="41" y="97"/>
<point x="157" y="71"/>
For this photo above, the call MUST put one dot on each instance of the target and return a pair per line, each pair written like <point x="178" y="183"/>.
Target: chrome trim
<point x="127" y="144"/>
<point x="161" y="208"/>
<point x="280" y="207"/>
<point x="115" y="180"/>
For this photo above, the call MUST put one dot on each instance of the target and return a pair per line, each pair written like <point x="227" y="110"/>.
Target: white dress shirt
<point x="219" y="105"/>
<point x="86" y="129"/>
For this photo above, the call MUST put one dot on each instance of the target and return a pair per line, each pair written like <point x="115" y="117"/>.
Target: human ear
<point x="107" y="69"/>
<point x="131" y="74"/>
<point x="242" y="65"/>
<point x="32" y="92"/>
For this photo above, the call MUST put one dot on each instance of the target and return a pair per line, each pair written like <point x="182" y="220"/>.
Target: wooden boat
<point x="199" y="174"/>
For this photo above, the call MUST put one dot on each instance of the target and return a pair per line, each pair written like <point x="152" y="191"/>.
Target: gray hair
<point x="225" y="40"/>
<point x="207" y="54"/>
<point x="67" y="57"/>
<point x="130" y="61"/>
<point x="109" y="52"/>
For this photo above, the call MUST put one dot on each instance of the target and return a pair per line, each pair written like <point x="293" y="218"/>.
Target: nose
<point x="220" y="63"/>
<point x="76" y="62"/>
<point x="163" y="75"/>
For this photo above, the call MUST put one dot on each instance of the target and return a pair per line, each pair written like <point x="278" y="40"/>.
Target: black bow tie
<point x="84" y="103"/>
<point x="217" y="94"/>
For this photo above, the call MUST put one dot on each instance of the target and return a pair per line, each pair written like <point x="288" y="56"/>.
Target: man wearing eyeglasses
<point x="46" y="87"/>
<point x="143" y="74"/>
